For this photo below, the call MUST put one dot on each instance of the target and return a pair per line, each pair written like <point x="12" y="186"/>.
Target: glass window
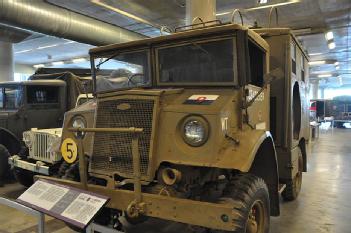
<point x="207" y="62"/>
<point x="293" y="57"/>
<point x="10" y="97"/>
<point x="1" y="97"/>
<point x="42" y="94"/>
<point x="123" y="70"/>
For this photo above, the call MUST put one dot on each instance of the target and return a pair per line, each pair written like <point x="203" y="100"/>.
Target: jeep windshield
<point x="122" y="70"/>
<point x="198" y="63"/>
<point x="10" y="97"/>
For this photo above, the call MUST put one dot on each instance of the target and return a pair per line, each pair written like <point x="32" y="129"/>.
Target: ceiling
<point x="310" y="18"/>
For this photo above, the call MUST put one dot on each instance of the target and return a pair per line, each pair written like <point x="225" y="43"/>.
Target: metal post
<point x="136" y="168"/>
<point x="6" y="61"/>
<point x="202" y="9"/>
<point x="82" y="165"/>
<point x="27" y="210"/>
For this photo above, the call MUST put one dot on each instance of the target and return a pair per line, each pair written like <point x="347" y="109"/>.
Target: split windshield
<point x="198" y="62"/>
<point x="10" y="97"/>
<point x="211" y="62"/>
<point x="122" y="70"/>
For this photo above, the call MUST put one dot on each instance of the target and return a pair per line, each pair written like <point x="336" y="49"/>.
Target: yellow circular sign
<point x="69" y="150"/>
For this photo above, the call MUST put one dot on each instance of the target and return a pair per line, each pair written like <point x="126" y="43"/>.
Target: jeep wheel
<point x="293" y="186"/>
<point x="254" y="212"/>
<point x="4" y="165"/>
<point x="24" y="177"/>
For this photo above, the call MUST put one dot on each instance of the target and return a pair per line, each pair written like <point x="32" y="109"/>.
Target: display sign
<point x="74" y="206"/>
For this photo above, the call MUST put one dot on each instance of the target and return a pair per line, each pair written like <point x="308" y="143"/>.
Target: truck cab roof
<point x="193" y="33"/>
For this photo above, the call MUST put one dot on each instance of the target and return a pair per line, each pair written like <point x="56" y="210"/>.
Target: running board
<point x="281" y="188"/>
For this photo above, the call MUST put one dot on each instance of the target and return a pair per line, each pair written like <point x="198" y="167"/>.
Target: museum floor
<point x="324" y="205"/>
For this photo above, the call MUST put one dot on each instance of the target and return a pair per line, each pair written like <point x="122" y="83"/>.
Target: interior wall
<point x="24" y="69"/>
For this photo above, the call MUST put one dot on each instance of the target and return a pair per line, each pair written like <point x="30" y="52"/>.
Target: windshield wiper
<point x="106" y="60"/>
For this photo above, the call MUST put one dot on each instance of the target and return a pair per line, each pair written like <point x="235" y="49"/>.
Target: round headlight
<point x="79" y="122"/>
<point x="195" y="131"/>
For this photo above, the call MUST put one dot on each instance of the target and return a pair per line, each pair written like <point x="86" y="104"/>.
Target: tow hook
<point x="135" y="209"/>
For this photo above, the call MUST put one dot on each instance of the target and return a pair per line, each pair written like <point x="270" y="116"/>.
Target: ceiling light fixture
<point x="314" y="54"/>
<point x="119" y="11"/>
<point x="329" y="35"/>
<point x="315" y="63"/>
<point x="47" y="46"/>
<point x="261" y="7"/>
<point x="39" y="66"/>
<point x="331" y="45"/>
<point x="78" y="60"/>
<point x="336" y="63"/>
<point x="262" y="1"/>
<point x="24" y="51"/>
<point x="57" y="63"/>
<point x="324" y="75"/>
<point x="69" y="42"/>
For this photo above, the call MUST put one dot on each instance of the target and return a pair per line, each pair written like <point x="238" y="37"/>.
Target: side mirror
<point x="273" y="75"/>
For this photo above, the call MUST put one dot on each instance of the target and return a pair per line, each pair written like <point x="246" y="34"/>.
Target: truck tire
<point x="24" y="177"/>
<point x="4" y="165"/>
<point x="293" y="186"/>
<point x="253" y="210"/>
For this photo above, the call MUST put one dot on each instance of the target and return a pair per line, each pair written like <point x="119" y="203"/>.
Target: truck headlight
<point x="195" y="131"/>
<point x="28" y="138"/>
<point x="79" y="122"/>
<point x="54" y="143"/>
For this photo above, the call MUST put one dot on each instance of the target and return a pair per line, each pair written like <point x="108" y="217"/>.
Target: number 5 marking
<point x="69" y="150"/>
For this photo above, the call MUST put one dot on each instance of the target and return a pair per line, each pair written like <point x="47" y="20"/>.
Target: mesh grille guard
<point x="112" y="152"/>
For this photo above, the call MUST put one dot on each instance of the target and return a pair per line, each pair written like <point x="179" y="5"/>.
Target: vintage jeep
<point x="44" y="156"/>
<point x="181" y="130"/>
<point x="38" y="103"/>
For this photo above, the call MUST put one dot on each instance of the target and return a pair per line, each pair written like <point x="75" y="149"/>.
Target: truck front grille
<point x="40" y="148"/>
<point x="112" y="152"/>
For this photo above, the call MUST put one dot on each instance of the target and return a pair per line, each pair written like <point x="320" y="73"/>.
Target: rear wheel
<point x="253" y="211"/>
<point x="293" y="186"/>
<point x="4" y="165"/>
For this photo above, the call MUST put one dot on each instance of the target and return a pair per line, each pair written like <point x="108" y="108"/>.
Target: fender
<point x="10" y="141"/>
<point x="265" y="165"/>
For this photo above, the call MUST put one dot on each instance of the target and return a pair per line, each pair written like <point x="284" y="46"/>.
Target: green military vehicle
<point x="37" y="103"/>
<point x="182" y="130"/>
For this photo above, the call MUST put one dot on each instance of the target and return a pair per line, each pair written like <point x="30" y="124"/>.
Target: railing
<point x="27" y="210"/>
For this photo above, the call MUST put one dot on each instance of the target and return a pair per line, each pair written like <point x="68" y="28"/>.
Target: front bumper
<point x="38" y="167"/>
<point x="212" y="215"/>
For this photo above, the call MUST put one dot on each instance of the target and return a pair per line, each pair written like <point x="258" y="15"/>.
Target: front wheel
<point x="24" y="177"/>
<point x="4" y="165"/>
<point x="253" y="212"/>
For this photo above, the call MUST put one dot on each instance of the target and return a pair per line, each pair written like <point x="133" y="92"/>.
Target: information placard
<point x="72" y="205"/>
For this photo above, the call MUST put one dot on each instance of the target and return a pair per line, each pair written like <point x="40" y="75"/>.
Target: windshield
<point x="198" y="62"/>
<point x="122" y="70"/>
<point x="43" y="94"/>
<point x="10" y="97"/>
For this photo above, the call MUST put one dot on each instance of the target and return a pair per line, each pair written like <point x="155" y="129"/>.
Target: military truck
<point x="38" y="103"/>
<point x="44" y="156"/>
<point x="289" y="107"/>
<point x="186" y="137"/>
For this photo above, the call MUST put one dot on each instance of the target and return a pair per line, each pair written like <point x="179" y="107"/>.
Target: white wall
<point x="24" y="69"/>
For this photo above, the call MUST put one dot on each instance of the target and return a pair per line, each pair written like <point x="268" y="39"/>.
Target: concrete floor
<point x="324" y="205"/>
